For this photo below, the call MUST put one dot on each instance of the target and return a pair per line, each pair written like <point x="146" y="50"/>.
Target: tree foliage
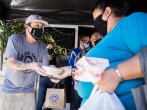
<point x="10" y="28"/>
<point x="18" y="28"/>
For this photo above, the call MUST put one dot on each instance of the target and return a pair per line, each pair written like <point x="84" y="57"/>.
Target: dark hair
<point x="81" y="36"/>
<point x="119" y="7"/>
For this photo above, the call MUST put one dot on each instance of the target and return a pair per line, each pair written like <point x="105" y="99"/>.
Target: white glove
<point x="66" y="72"/>
<point x="37" y="67"/>
<point x="53" y="66"/>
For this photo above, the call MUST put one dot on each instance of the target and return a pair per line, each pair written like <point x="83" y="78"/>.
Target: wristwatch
<point x="118" y="73"/>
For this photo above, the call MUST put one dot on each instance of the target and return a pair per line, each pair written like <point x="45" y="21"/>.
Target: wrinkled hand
<point x="109" y="81"/>
<point x="37" y="67"/>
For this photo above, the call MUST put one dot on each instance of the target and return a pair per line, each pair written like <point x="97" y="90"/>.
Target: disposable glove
<point x="37" y="67"/>
<point x="66" y="72"/>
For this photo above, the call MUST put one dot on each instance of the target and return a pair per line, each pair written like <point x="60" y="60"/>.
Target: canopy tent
<point x="77" y="12"/>
<point x="56" y="11"/>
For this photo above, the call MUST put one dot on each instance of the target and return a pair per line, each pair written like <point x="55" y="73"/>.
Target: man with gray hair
<point x="25" y="54"/>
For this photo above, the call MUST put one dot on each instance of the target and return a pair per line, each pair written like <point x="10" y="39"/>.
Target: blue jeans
<point x="44" y="83"/>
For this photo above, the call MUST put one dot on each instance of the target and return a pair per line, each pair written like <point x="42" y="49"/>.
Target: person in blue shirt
<point x="76" y="54"/>
<point x="126" y="36"/>
<point x="135" y="67"/>
<point x="72" y="57"/>
<point x="84" y="46"/>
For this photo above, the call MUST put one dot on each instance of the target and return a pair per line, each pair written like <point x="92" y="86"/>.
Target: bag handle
<point x="95" y="88"/>
<point x="143" y="62"/>
<point x="56" y="85"/>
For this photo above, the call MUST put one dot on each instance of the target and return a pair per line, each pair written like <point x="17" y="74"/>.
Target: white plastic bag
<point x="102" y="101"/>
<point x="90" y="69"/>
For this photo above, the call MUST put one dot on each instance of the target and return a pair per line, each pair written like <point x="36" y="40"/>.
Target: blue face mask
<point x="86" y="45"/>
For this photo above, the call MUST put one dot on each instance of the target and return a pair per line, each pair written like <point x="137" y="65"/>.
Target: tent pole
<point x="76" y="36"/>
<point x="3" y="40"/>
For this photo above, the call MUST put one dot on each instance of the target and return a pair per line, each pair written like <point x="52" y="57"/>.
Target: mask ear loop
<point x="107" y="18"/>
<point x="43" y="33"/>
<point x="31" y="29"/>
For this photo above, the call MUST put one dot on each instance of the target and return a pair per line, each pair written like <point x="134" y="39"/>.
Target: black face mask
<point x="97" y="41"/>
<point x="50" y="51"/>
<point x="37" y="33"/>
<point x="100" y="25"/>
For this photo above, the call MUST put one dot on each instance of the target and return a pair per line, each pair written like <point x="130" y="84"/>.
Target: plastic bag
<point x="90" y="69"/>
<point x="102" y="101"/>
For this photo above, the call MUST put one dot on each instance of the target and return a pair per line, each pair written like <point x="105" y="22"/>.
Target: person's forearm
<point x="18" y="65"/>
<point x="131" y="68"/>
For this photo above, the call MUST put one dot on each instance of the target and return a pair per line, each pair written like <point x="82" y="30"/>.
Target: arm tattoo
<point x="20" y="65"/>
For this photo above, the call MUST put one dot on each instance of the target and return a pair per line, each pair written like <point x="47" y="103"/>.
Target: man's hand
<point x="37" y="67"/>
<point x="18" y="65"/>
<point x="109" y="81"/>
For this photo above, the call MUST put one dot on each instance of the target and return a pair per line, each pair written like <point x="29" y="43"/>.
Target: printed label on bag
<point x="54" y="99"/>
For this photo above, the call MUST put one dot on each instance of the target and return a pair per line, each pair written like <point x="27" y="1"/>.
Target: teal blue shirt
<point x="126" y="39"/>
